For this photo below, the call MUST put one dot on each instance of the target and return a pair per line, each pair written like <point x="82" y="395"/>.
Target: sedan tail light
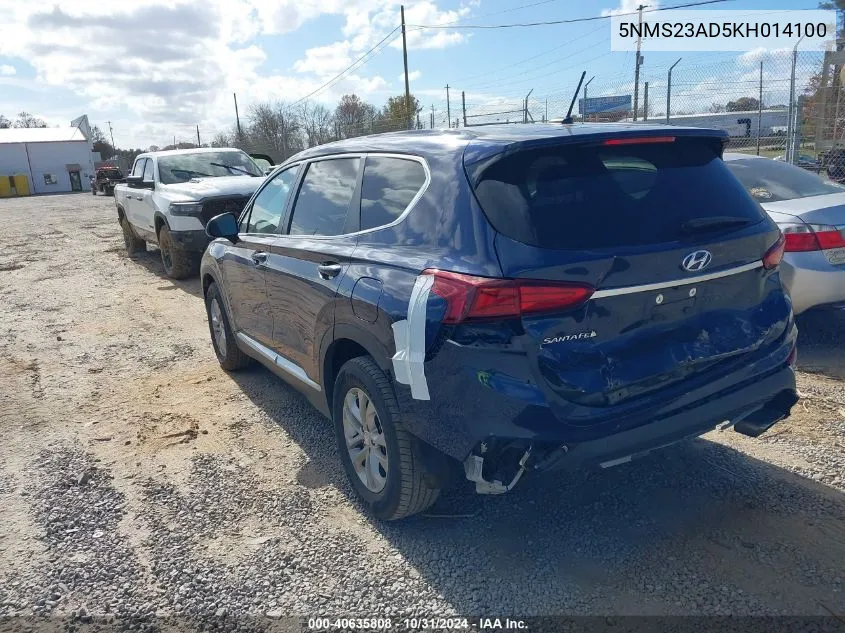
<point x="471" y="298"/>
<point x="802" y="237"/>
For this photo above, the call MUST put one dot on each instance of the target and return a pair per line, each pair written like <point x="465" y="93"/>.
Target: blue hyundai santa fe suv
<point x="483" y="304"/>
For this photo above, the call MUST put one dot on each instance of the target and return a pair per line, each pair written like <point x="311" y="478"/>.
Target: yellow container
<point x="5" y="186"/>
<point x="21" y="185"/>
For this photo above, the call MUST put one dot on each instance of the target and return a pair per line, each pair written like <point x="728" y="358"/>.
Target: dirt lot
<point x="138" y="478"/>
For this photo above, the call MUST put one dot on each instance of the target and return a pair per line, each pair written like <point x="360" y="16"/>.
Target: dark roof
<point x="493" y="138"/>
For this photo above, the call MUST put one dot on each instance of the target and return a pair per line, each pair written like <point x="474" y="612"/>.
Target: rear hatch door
<point x="671" y="243"/>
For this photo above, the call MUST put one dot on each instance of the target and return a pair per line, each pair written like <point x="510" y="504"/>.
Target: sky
<point x="158" y="69"/>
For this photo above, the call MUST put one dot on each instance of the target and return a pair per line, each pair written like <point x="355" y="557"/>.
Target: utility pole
<point x="237" y="117"/>
<point x="584" y="113"/>
<point x="405" y="57"/>
<point x="669" y="90"/>
<point x="638" y="61"/>
<point x="464" y="106"/>
<point x="645" y="102"/>
<point x="199" y="144"/>
<point x="432" y="116"/>
<point x="448" y="108"/>
<point x="174" y="141"/>
<point x="111" y="135"/>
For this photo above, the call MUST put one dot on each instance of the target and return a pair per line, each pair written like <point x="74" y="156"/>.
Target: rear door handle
<point x="329" y="270"/>
<point x="259" y="258"/>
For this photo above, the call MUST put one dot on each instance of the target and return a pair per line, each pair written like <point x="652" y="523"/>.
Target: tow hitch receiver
<point x="474" y="465"/>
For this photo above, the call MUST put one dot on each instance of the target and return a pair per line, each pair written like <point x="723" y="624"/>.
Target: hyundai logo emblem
<point x="699" y="260"/>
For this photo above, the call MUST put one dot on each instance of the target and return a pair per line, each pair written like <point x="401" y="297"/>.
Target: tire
<point x="93" y="192"/>
<point x="133" y="243"/>
<point x="229" y="355"/>
<point x="178" y="263"/>
<point x="404" y="490"/>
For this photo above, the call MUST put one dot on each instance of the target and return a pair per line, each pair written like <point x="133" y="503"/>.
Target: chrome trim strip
<point x="627" y="290"/>
<point x="279" y="361"/>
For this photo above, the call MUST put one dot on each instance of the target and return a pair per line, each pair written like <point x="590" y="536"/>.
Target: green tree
<point x="395" y="115"/>
<point x="743" y="103"/>
<point x="100" y="143"/>
<point x="4" y="122"/>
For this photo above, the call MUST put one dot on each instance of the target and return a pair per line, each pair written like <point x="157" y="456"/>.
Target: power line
<point x="554" y="22"/>
<point x="528" y="77"/>
<point x="352" y="66"/>
<point x="533" y="57"/>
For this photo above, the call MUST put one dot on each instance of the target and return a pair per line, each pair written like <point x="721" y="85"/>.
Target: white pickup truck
<point x="170" y="195"/>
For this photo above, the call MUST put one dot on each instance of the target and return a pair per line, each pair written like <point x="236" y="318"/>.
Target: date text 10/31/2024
<point x="416" y="624"/>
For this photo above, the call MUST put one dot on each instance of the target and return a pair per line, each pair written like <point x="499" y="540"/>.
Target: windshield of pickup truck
<point x="184" y="167"/>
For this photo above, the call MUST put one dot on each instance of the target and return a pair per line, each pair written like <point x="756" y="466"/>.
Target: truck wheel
<point x="133" y="244"/>
<point x="178" y="263"/>
<point x="379" y="456"/>
<point x="229" y="355"/>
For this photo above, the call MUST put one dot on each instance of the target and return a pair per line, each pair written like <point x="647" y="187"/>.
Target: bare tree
<point x="25" y="119"/>
<point x="716" y="107"/>
<point x="4" y="122"/>
<point x="353" y="116"/>
<point x="317" y="123"/>
<point x="274" y="129"/>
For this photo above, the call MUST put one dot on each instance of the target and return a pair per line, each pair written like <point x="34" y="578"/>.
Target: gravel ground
<point x="138" y="479"/>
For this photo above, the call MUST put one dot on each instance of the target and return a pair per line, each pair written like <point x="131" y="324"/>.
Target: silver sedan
<point x="811" y="213"/>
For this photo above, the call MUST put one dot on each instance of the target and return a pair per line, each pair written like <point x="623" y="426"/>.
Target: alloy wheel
<point x="217" y="326"/>
<point x="365" y="439"/>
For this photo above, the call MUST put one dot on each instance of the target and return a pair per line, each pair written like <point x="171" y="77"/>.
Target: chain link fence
<point x="778" y="104"/>
<point x="775" y="104"/>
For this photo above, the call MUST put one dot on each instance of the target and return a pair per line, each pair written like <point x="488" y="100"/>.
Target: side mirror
<point x="224" y="225"/>
<point x="138" y="182"/>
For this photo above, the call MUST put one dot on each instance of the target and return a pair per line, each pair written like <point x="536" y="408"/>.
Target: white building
<point x="54" y="159"/>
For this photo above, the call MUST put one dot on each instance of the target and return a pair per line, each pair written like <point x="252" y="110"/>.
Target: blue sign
<point x="621" y="103"/>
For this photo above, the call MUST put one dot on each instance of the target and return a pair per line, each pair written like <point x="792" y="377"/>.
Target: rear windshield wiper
<point x="714" y="223"/>
<point x="235" y="167"/>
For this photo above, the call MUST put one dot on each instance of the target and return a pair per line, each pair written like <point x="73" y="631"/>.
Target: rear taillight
<point x="774" y="255"/>
<point x="802" y="237"/>
<point x="472" y="298"/>
<point x="639" y="140"/>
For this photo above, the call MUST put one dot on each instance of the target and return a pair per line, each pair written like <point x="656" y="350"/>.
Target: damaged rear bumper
<point x="750" y="410"/>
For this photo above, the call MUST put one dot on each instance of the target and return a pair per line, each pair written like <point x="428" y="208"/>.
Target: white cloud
<point x="164" y="64"/>
<point x="7" y="70"/>
<point x="325" y="60"/>
<point x="630" y="6"/>
<point x="412" y="76"/>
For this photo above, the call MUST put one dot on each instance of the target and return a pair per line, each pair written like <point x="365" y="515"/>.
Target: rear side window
<point x="580" y="197"/>
<point x="325" y="197"/>
<point x="389" y="186"/>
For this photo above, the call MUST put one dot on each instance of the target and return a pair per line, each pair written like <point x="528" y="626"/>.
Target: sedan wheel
<point x="365" y="440"/>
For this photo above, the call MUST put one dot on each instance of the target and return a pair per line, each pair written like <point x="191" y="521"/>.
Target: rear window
<point x="594" y="196"/>
<point x="773" y="181"/>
